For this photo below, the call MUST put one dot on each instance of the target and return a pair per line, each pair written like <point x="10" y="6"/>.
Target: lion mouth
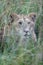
<point x="27" y="35"/>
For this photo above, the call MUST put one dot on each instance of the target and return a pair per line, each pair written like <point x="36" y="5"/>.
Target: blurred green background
<point x="22" y="56"/>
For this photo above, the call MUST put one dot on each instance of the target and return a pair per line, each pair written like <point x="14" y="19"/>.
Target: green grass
<point x="29" y="54"/>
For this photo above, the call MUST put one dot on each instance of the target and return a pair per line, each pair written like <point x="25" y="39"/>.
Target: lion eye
<point x="20" y="22"/>
<point x="28" y="22"/>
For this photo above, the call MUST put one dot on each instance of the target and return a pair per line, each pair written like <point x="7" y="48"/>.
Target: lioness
<point x="23" y="26"/>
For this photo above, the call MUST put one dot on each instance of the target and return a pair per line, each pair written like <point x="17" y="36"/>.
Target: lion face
<point x="24" y="24"/>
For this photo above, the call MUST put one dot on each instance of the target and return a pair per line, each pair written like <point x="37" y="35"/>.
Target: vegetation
<point x="18" y="55"/>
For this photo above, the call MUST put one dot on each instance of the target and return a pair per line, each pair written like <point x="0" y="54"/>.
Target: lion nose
<point x="26" y="31"/>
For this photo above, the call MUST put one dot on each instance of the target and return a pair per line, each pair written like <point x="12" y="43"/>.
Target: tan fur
<point x="23" y="25"/>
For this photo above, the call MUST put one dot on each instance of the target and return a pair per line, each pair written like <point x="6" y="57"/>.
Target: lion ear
<point x="32" y="16"/>
<point x="13" y="17"/>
